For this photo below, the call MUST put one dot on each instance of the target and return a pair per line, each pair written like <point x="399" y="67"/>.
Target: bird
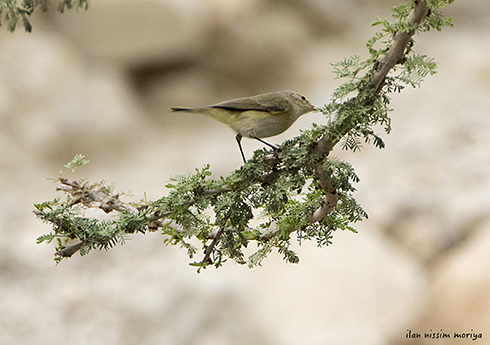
<point x="256" y="117"/>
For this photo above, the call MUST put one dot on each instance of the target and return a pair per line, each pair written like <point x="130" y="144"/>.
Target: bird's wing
<point x="258" y="103"/>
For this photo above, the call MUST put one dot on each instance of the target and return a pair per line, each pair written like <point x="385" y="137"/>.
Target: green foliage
<point x="297" y="189"/>
<point x="69" y="4"/>
<point x="78" y="161"/>
<point x="355" y="105"/>
<point x="12" y="13"/>
<point x="286" y="201"/>
<point x="416" y="68"/>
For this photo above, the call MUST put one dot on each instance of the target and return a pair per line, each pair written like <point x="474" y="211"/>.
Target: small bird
<point x="257" y="117"/>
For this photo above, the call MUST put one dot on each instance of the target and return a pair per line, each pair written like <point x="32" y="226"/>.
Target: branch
<point x="94" y="198"/>
<point x="400" y="42"/>
<point x="267" y="182"/>
<point x="327" y="142"/>
<point x="396" y="53"/>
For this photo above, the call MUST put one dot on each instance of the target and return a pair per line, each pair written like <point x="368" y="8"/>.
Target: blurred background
<point x="100" y="82"/>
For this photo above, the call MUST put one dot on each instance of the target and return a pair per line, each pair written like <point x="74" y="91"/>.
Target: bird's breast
<point x="261" y="124"/>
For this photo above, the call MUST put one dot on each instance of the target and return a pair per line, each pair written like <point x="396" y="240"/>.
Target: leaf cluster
<point x="355" y="107"/>
<point x="203" y="209"/>
<point x="12" y="13"/>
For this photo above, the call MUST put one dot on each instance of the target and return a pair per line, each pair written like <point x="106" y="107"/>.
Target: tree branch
<point x="397" y="50"/>
<point x="266" y="182"/>
<point x="327" y="142"/>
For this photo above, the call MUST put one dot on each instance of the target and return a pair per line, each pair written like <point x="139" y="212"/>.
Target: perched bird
<point x="257" y="117"/>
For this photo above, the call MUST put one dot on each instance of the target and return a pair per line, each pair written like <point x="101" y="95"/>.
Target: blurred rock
<point x="247" y="52"/>
<point x="459" y="300"/>
<point x="55" y="103"/>
<point x="461" y="285"/>
<point x="133" y="33"/>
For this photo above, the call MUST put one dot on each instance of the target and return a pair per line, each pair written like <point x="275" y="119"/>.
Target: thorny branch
<point x="321" y="148"/>
<point x="397" y="50"/>
<point x="327" y="143"/>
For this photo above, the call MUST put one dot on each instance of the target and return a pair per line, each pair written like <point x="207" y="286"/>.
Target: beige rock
<point x="137" y="32"/>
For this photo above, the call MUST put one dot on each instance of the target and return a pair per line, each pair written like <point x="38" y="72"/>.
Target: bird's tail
<point x="186" y="110"/>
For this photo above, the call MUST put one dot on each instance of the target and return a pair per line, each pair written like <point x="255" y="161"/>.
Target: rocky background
<point x="100" y="83"/>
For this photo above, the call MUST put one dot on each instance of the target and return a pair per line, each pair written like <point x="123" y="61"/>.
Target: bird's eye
<point x="303" y="98"/>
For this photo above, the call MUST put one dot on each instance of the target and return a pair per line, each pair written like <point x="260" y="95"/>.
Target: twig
<point x="209" y="249"/>
<point x="67" y="252"/>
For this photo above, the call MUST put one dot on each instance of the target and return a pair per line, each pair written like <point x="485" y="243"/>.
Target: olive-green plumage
<point x="257" y="117"/>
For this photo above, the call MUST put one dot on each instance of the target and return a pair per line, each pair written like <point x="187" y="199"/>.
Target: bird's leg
<point x="276" y="149"/>
<point x="266" y="143"/>
<point x="238" y="140"/>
